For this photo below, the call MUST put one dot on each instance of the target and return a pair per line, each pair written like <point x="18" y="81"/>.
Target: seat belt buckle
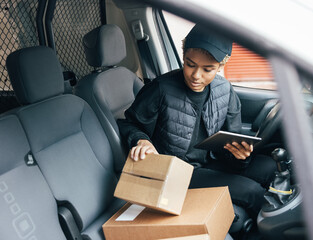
<point x="30" y="160"/>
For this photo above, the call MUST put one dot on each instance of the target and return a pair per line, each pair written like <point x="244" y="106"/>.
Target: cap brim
<point x="214" y="51"/>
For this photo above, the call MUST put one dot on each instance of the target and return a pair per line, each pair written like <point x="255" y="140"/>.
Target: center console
<point x="281" y="215"/>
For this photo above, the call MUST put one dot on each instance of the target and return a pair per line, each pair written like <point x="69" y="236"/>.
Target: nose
<point x="196" y="73"/>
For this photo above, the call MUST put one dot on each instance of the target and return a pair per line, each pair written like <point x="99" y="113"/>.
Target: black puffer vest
<point x="177" y="114"/>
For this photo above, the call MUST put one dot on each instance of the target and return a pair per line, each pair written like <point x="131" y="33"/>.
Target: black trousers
<point x="246" y="186"/>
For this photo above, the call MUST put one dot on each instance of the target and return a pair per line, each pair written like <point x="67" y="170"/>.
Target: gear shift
<point x="280" y="191"/>
<point x="280" y="157"/>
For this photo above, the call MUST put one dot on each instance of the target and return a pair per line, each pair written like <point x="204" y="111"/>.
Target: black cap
<point x="216" y="45"/>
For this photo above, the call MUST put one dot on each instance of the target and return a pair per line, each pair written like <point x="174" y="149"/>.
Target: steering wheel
<point x="269" y="126"/>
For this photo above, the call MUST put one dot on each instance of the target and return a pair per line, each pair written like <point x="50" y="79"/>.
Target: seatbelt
<point x="144" y="51"/>
<point x="146" y="59"/>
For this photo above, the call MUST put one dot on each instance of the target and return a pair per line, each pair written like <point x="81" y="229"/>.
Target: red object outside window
<point x="249" y="69"/>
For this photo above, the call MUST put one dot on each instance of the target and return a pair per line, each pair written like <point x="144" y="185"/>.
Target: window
<point x="245" y="68"/>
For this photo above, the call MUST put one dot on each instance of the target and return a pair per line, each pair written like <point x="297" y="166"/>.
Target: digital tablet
<point x="218" y="140"/>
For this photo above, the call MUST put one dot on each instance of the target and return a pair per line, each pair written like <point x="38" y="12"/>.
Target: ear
<point x="221" y="67"/>
<point x="184" y="58"/>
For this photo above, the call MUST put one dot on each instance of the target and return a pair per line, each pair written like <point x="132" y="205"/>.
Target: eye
<point x="190" y="65"/>
<point x="207" y="70"/>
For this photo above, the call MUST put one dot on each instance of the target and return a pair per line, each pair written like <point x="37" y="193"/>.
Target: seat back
<point x="112" y="86"/>
<point x="65" y="136"/>
<point x="28" y="208"/>
<point x="110" y="89"/>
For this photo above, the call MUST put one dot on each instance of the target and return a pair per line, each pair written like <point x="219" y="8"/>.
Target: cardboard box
<point x="159" y="182"/>
<point x="206" y="211"/>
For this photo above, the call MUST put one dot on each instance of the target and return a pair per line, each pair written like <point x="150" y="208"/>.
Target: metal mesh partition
<point x="71" y="21"/>
<point x="17" y="30"/>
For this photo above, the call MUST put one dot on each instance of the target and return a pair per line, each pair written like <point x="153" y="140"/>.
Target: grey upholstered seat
<point x="110" y="89"/>
<point x="66" y="139"/>
<point x="111" y="86"/>
<point x="27" y="206"/>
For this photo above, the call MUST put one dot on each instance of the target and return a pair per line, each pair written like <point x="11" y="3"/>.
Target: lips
<point x="196" y="84"/>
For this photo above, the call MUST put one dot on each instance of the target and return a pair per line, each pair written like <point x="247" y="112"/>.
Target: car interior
<point x="69" y="70"/>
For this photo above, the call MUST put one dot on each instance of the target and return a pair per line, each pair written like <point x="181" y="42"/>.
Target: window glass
<point x="244" y="68"/>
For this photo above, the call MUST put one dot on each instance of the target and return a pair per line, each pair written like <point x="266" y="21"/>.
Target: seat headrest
<point x="104" y="46"/>
<point x="35" y="74"/>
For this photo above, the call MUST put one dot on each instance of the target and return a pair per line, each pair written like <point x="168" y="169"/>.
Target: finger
<point x="243" y="153"/>
<point x="244" y="148"/>
<point x="239" y="154"/>
<point x="236" y="153"/>
<point x="230" y="147"/>
<point x="248" y="147"/>
<point x="143" y="151"/>
<point x="151" y="150"/>
<point x="238" y="146"/>
<point x="140" y="143"/>
<point x="245" y="145"/>
<point x="233" y="150"/>
<point x="132" y="153"/>
<point x="137" y="152"/>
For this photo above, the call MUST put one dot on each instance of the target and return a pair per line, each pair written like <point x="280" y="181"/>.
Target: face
<point x="199" y="69"/>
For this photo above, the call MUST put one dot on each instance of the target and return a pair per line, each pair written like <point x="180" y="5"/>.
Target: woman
<point x="183" y="107"/>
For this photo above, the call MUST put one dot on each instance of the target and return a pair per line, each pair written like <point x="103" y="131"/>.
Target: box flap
<point x="154" y="166"/>
<point x="138" y="190"/>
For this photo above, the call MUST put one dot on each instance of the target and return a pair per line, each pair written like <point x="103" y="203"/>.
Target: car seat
<point x="66" y="140"/>
<point x="109" y="89"/>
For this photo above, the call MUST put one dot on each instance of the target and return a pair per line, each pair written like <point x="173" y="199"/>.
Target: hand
<point x="240" y="151"/>
<point x="143" y="147"/>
